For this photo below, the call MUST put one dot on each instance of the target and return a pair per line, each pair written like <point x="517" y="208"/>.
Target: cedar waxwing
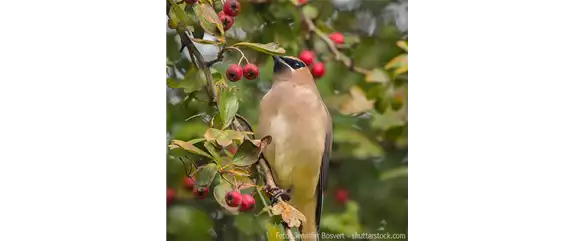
<point x="294" y="115"/>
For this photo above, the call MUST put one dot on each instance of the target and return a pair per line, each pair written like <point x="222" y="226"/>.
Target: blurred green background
<point x="367" y="190"/>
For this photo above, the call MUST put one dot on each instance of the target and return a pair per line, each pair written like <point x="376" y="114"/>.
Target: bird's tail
<point x="309" y="231"/>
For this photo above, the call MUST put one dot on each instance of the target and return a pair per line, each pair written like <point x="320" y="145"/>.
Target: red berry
<point x="170" y="195"/>
<point x="318" y="69"/>
<point x="190" y="1"/>
<point x="226" y="21"/>
<point x="232" y="8"/>
<point x="247" y="203"/>
<point x="302" y="1"/>
<point x="234" y="72"/>
<point x="337" y="37"/>
<point x="201" y="192"/>
<point x="221" y="14"/>
<point x="250" y="71"/>
<point x="233" y="199"/>
<point x="307" y="57"/>
<point x="341" y="195"/>
<point x="188" y="183"/>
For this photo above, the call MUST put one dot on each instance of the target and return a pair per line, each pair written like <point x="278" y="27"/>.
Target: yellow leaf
<point x="208" y="19"/>
<point x="188" y="146"/>
<point x="204" y="41"/>
<point x="398" y="62"/>
<point x="403" y="45"/>
<point x="273" y="233"/>
<point x="355" y="102"/>
<point x="288" y="213"/>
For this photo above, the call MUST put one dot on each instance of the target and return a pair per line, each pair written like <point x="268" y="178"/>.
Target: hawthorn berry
<point x="234" y="72"/>
<point x="201" y="192"/>
<point x="232" y="8"/>
<point x="170" y="195"/>
<point x="188" y="183"/>
<point x="250" y="71"/>
<point x="233" y="199"/>
<point x="337" y="37"/>
<point x="307" y="57"/>
<point x="220" y="14"/>
<point x="302" y="1"/>
<point x="341" y="195"/>
<point x="226" y="21"/>
<point x="247" y="203"/>
<point x="190" y="1"/>
<point x="318" y="69"/>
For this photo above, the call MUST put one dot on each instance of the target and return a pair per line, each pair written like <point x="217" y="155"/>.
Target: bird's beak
<point x="277" y="59"/>
<point x="279" y="64"/>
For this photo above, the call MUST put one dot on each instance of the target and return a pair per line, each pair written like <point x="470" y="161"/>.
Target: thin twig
<point x="241" y="52"/>
<point x="288" y="231"/>
<point x="219" y="57"/>
<point x="194" y="52"/>
<point x="347" y="61"/>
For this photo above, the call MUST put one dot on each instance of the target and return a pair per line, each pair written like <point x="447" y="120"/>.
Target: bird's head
<point x="288" y="68"/>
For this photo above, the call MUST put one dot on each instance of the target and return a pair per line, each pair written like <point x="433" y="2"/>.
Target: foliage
<point x="364" y="86"/>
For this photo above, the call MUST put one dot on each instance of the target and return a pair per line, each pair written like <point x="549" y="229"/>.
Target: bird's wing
<point x="322" y="185"/>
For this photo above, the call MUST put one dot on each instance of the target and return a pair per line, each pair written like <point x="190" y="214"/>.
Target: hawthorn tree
<point x="219" y="67"/>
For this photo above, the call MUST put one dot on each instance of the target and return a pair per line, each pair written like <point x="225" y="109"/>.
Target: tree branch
<point x="194" y="52"/>
<point x="347" y="61"/>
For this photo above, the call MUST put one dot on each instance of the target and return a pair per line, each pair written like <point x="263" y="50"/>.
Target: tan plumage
<point x="294" y="115"/>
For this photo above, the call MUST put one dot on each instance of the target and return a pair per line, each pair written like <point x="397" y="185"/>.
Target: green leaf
<point x="181" y="15"/>
<point x="208" y="19"/>
<point x="171" y="83"/>
<point x="212" y="151"/>
<point x="399" y="63"/>
<point x="247" y="224"/>
<point x="269" y="48"/>
<point x="188" y="223"/>
<point x="221" y="137"/>
<point x="347" y="222"/>
<point x="228" y="105"/>
<point x="219" y="193"/>
<point x="388" y="120"/>
<point x="206" y="175"/>
<point x="394" y="173"/>
<point x="189" y="146"/>
<point x="192" y="81"/>
<point x="247" y="154"/>
<point x="310" y="11"/>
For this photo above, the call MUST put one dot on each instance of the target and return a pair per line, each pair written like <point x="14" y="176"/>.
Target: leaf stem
<point x="241" y="52"/>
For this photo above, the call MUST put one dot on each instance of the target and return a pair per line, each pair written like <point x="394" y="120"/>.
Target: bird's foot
<point x="276" y="192"/>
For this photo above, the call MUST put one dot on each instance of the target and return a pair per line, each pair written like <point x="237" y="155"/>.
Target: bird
<point x="293" y="113"/>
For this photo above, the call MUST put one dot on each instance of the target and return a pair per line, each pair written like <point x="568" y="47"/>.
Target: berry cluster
<point x="308" y="57"/>
<point x="235" y="72"/>
<point x="231" y="8"/>
<point x="245" y="202"/>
